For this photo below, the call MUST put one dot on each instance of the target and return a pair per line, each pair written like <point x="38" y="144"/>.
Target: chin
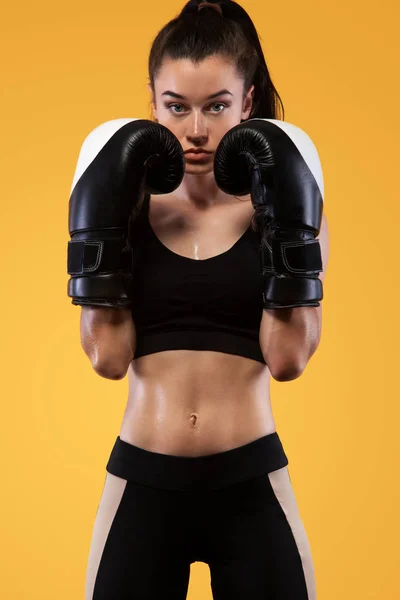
<point x="198" y="169"/>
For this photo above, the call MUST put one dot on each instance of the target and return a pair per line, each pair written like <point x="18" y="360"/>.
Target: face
<point x="199" y="103"/>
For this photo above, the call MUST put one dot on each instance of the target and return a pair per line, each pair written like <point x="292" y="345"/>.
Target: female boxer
<point x="184" y="285"/>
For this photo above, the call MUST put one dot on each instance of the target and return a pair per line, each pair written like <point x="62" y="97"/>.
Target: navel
<point x="193" y="419"/>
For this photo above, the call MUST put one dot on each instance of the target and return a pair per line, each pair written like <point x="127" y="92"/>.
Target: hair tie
<point x="204" y="4"/>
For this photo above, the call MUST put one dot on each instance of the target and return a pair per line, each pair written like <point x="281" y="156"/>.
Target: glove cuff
<point x="291" y="292"/>
<point x="101" y="290"/>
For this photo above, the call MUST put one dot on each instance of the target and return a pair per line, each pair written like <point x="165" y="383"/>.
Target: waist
<point x="185" y="402"/>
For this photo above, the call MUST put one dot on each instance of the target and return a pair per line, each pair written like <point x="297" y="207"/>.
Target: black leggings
<point x="235" y="511"/>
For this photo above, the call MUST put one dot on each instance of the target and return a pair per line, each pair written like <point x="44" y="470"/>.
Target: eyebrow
<point x="175" y="95"/>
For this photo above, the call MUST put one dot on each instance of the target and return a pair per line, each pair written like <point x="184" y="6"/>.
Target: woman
<point x="198" y="472"/>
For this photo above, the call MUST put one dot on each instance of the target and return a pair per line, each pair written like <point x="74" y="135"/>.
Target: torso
<point x="194" y="403"/>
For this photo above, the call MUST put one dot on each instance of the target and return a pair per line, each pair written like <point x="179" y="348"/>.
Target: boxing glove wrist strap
<point x="97" y="256"/>
<point x="291" y="263"/>
<point x="101" y="272"/>
<point x="296" y="258"/>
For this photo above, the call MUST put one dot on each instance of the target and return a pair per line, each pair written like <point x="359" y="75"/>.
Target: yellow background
<point x="67" y="68"/>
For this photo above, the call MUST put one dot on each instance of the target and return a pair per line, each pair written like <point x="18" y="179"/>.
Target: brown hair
<point x="196" y="34"/>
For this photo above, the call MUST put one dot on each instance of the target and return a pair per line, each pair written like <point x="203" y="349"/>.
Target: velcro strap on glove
<point x="87" y="257"/>
<point x="299" y="258"/>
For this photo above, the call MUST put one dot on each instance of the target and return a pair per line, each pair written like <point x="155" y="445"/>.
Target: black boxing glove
<point x="118" y="160"/>
<point x="278" y="164"/>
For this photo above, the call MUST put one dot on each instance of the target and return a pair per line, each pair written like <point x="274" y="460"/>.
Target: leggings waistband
<point x="210" y="472"/>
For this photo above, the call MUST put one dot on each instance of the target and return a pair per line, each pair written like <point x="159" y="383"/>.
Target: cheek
<point x="233" y="115"/>
<point x="223" y="125"/>
<point x="165" y="118"/>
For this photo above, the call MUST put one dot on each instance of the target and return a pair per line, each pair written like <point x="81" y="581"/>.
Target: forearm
<point x="290" y="336"/>
<point x="288" y="339"/>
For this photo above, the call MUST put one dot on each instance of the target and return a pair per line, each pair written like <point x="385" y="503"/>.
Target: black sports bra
<point x="184" y="303"/>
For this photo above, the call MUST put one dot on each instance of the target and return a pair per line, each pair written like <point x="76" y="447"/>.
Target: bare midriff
<point x="195" y="403"/>
<point x="191" y="402"/>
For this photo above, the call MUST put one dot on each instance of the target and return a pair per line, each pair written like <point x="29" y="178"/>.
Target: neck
<point x="202" y="191"/>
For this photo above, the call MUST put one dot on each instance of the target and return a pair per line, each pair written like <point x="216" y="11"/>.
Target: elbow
<point x="108" y="338"/>
<point x="293" y="364"/>
<point x="110" y="370"/>
<point x="287" y="371"/>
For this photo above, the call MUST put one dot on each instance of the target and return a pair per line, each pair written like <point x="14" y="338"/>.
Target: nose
<point x="197" y="132"/>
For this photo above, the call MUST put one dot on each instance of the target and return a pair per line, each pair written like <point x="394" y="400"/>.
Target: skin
<point x="184" y="402"/>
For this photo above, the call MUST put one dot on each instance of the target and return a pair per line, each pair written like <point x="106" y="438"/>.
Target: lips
<point x="198" y="155"/>
<point x="197" y="151"/>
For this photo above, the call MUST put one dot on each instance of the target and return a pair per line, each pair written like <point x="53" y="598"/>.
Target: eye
<point x="171" y="106"/>
<point x="219" y="104"/>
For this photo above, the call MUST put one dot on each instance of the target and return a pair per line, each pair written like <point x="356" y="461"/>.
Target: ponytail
<point x="196" y="34"/>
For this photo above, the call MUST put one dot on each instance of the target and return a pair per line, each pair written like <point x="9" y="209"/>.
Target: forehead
<point x="187" y="78"/>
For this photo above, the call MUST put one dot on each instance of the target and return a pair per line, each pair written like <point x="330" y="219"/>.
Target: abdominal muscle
<point x="195" y="403"/>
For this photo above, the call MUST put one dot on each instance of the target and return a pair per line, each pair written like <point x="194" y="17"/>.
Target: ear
<point x="248" y="103"/>
<point x="153" y="102"/>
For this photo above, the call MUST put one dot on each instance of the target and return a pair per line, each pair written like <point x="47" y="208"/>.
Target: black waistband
<point x="214" y="471"/>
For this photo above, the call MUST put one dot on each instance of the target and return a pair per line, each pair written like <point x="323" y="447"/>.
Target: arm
<point x="108" y="338"/>
<point x="117" y="160"/>
<point x="289" y="337"/>
<point x="279" y="164"/>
